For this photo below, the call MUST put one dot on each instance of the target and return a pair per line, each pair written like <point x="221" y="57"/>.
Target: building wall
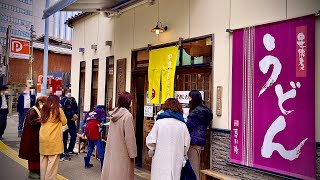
<point x="187" y="19"/>
<point x="19" y="68"/>
<point x="94" y="29"/>
<point x="39" y="23"/>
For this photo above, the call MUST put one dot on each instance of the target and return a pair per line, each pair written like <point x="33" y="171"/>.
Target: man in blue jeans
<point x="25" y="102"/>
<point x="70" y="108"/>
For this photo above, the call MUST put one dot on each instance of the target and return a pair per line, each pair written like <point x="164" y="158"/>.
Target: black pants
<point x="72" y="130"/>
<point x="3" y="120"/>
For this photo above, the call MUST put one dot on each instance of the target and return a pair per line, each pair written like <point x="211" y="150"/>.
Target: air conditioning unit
<point x="108" y="43"/>
<point x="81" y="50"/>
<point x="94" y="46"/>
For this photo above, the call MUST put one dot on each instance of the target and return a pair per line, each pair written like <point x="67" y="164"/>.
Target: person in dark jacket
<point x="70" y="109"/>
<point x="3" y="110"/>
<point x="25" y="101"/>
<point x="29" y="144"/>
<point x="198" y="121"/>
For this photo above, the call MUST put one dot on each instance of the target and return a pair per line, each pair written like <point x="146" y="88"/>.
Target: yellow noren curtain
<point x="162" y="67"/>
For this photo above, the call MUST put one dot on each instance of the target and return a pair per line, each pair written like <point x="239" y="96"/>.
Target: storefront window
<point x="94" y="87"/>
<point x="109" y="82"/>
<point x="196" y="52"/>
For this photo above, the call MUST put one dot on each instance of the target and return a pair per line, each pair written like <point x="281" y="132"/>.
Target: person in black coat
<point x="29" y="144"/>
<point x="70" y="109"/>
<point x="198" y="121"/>
<point x="3" y="109"/>
<point x="25" y="101"/>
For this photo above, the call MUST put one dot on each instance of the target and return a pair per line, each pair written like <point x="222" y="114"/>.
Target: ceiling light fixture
<point x="159" y="29"/>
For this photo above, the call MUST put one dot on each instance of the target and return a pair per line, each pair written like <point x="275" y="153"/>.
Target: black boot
<point x="33" y="175"/>
<point x="87" y="162"/>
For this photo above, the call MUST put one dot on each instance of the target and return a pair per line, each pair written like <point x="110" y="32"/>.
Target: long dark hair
<point x="124" y="100"/>
<point x="51" y="107"/>
<point x="196" y="99"/>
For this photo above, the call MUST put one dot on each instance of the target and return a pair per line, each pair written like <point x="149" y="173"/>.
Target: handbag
<point x="187" y="172"/>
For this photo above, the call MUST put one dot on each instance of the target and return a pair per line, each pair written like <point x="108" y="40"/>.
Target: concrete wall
<point x="186" y="19"/>
<point x="220" y="151"/>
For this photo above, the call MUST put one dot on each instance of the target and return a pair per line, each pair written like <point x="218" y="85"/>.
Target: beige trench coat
<point x="121" y="147"/>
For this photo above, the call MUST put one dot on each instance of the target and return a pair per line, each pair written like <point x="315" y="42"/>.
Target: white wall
<point x="93" y="29"/>
<point x="193" y="18"/>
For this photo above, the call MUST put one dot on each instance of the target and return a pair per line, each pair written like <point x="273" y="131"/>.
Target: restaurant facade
<point x="255" y="62"/>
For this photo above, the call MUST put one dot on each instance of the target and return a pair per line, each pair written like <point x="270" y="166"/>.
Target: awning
<point x="84" y="6"/>
<point x="58" y="6"/>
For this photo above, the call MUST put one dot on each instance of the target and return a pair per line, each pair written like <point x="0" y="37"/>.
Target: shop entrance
<point x="139" y="85"/>
<point x="194" y="71"/>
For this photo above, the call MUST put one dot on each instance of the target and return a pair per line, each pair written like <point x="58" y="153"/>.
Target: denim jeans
<point x="21" y="120"/>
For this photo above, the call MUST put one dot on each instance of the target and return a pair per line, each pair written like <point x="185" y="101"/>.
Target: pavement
<point x="12" y="167"/>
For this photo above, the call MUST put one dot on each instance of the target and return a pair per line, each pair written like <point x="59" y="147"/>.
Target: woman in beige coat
<point x="50" y="138"/>
<point x="121" y="146"/>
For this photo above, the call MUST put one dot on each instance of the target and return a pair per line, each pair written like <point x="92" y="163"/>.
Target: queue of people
<point x="175" y="144"/>
<point x="42" y="139"/>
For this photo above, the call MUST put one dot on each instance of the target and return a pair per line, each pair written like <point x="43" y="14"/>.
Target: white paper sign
<point x="185" y="113"/>
<point x="182" y="96"/>
<point x="148" y="111"/>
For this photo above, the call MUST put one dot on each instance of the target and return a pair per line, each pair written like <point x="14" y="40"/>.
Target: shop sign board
<point x="183" y="98"/>
<point x="273" y="97"/>
<point x="121" y="76"/>
<point x="54" y="82"/>
<point x="148" y="111"/>
<point x="19" y="48"/>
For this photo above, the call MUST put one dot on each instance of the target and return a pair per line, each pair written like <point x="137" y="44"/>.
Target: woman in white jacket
<point x="168" y="141"/>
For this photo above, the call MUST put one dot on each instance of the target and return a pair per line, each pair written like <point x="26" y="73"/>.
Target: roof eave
<point x="77" y="17"/>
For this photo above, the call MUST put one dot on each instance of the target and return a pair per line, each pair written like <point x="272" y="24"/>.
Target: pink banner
<point x="273" y="97"/>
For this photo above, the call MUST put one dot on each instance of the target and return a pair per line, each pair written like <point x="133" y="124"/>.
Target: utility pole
<point x="45" y="57"/>
<point x="32" y="36"/>
<point x="6" y="62"/>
